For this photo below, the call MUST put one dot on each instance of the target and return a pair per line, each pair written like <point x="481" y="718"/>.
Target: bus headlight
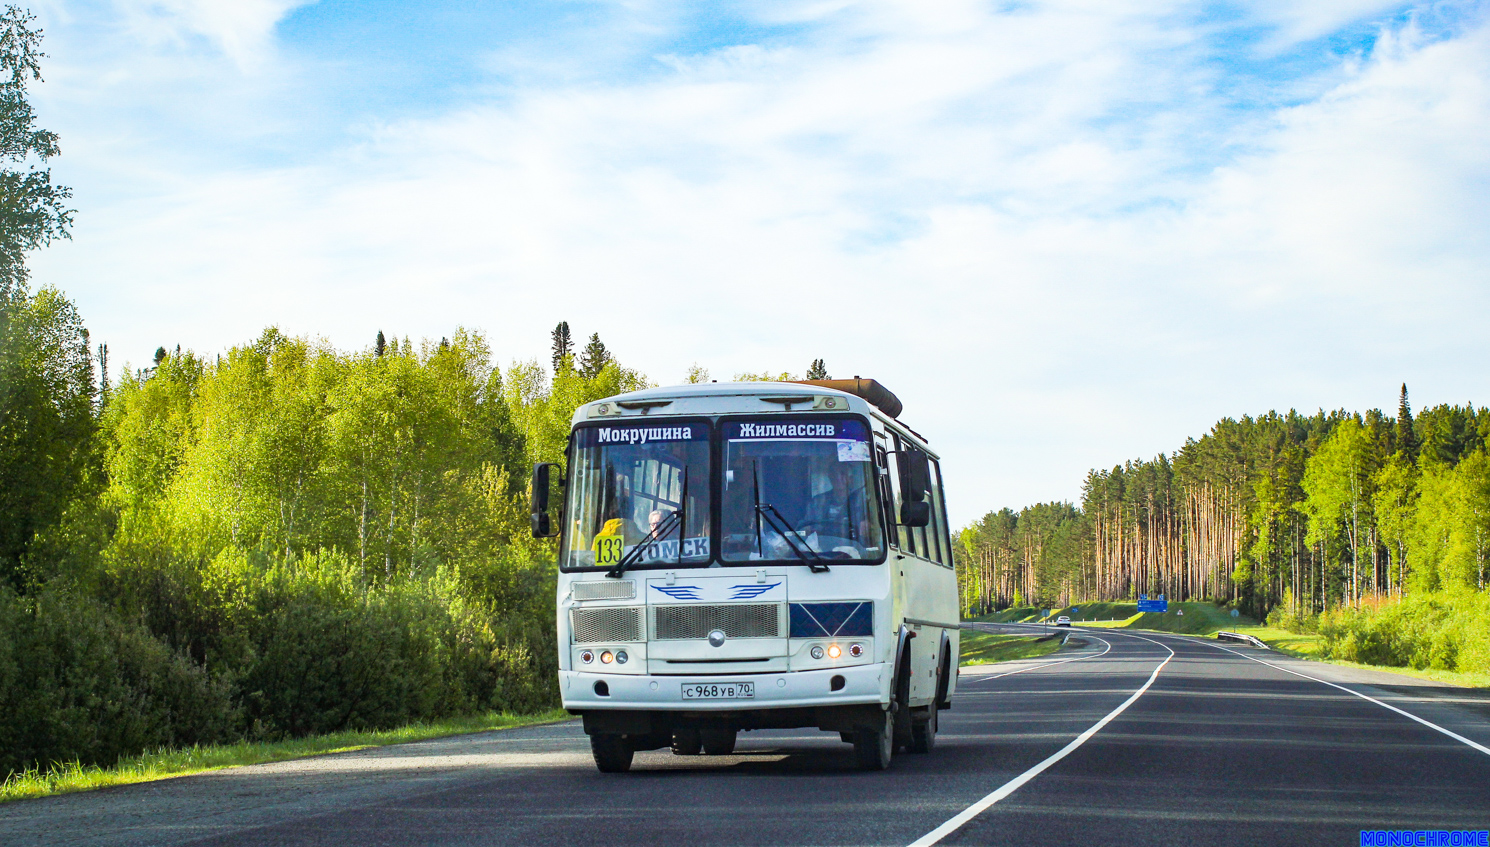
<point x="856" y="650"/>
<point x="587" y="657"/>
<point x="817" y="652"/>
<point x="606" y="658"/>
<point x="835" y="651"/>
<point x="621" y="657"/>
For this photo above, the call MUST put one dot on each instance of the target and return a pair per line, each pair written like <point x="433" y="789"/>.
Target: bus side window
<point x="903" y="537"/>
<point x="917" y="537"/>
<point x="939" y="517"/>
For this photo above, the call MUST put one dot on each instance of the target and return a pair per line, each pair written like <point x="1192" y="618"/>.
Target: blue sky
<point x="1066" y="233"/>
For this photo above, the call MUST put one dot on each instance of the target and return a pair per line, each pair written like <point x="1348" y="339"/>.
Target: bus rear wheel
<point x="718" y="742"/>
<point x="923" y="733"/>
<point x="875" y="745"/>
<point x="612" y="753"/>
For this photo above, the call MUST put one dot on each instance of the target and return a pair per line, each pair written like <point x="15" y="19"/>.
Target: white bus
<point x="751" y="556"/>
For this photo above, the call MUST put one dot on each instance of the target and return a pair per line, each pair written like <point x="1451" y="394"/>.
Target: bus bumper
<point x="860" y="684"/>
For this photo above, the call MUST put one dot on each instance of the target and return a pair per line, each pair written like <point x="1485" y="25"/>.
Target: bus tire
<point x="923" y="733"/>
<point x="686" y="741"/>
<point x="612" y="753"/>
<point x="875" y="745"/>
<point x="718" y="742"/>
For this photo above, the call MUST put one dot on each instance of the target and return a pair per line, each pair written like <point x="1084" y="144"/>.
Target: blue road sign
<point x="1153" y="605"/>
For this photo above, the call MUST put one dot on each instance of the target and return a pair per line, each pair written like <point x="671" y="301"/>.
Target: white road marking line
<point x="956" y="822"/>
<point x="1450" y="733"/>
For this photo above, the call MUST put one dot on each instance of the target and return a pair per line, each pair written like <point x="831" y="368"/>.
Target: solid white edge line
<point x="955" y="823"/>
<point x="1450" y="733"/>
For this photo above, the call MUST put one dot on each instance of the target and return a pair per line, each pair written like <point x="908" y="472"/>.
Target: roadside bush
<point x="316" y="646"/>
<point x="1426" y="630"/>
<point x="76" y="682"/>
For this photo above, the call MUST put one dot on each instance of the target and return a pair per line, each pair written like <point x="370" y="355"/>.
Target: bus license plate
<point x="719" y="691"/>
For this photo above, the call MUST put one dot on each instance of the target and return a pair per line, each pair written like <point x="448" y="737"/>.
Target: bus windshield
<point x="799" y="490"/>
<point x="639" y="493"/>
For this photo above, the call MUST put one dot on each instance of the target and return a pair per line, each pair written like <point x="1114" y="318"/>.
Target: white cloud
<point x="1046" y="229"/>
<point x="239" y="29"/>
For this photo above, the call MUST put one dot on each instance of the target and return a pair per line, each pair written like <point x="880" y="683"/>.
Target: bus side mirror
<point x="915" y="513"/>
<point x="915" y="477"/>
<point x="538" y="499"/>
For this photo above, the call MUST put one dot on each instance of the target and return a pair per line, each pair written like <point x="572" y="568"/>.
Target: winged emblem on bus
<point x="750" y="592"/>
<point x="680" y="592"/>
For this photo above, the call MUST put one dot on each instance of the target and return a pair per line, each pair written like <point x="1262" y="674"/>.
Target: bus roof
<point x="874" y="397"/>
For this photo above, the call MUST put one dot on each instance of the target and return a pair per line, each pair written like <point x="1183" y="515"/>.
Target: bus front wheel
<point x="612" y="753"/>
<point x="874" y="745"/>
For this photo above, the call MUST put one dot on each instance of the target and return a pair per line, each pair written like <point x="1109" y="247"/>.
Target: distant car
<point x="1062" y="621"/>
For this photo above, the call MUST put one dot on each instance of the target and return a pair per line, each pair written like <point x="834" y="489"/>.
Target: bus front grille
<point x="739" y="620"/>
<point x="611" y="623"/>
<point x="606" y="589"/>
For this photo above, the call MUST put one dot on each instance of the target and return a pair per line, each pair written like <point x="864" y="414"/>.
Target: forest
<point x="282" y="540"/>
<point x="1373" y="529"/>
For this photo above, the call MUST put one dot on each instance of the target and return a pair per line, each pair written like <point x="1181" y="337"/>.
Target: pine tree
<point x="1407" y="440"/>
<point x="563" y="346"/>
<point x="818" y="370"/>
<point x="380" y="345"/>
<point x="160" y="355"/>
<point x="594" y="358"/>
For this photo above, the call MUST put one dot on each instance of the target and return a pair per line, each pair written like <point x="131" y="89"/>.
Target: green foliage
<point x="765" y="376"/>
<point x="76" y="682"/>
<point x="46" y="424"/>
<point x="1447" y="630"/>
<point x="34" y="210"/>
<point x="818" y="370"/>
<point x="563" y="347"/>
<point x="1448" y="540"/>
<point x="341" y="538"/>
<point x="1038" y="555"/>
<point x="593" y="359"/>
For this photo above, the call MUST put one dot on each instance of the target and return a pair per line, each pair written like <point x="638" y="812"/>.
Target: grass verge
<point x="63" y="778"/>
<point x="985" y="648"/>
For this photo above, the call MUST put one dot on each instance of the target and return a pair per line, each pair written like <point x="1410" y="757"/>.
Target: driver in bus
<point x="827" y="512"/>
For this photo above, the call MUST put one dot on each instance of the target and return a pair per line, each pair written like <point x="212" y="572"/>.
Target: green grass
<point x="1014" y="614"/>
<point x="983" y="648"/>
<point x="165" y="764"/>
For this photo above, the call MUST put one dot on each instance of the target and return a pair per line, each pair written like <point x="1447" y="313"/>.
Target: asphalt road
<point x="1218" y="749"/>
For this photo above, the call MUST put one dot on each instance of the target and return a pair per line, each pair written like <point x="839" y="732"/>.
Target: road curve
<point x="1218" y="749"/>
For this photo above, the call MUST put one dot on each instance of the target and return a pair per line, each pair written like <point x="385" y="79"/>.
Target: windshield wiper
<point x="782" y="527"/>
<point x="659" y="532"/>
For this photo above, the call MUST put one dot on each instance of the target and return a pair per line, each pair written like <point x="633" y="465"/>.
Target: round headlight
<point x="817" y="652"/>
<point x="587" y="657"/>
<point x="856" y="650"/>
<point x="606" y="658"/>
<point x="835" y="651"/>
<point x="621" y="657"/>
